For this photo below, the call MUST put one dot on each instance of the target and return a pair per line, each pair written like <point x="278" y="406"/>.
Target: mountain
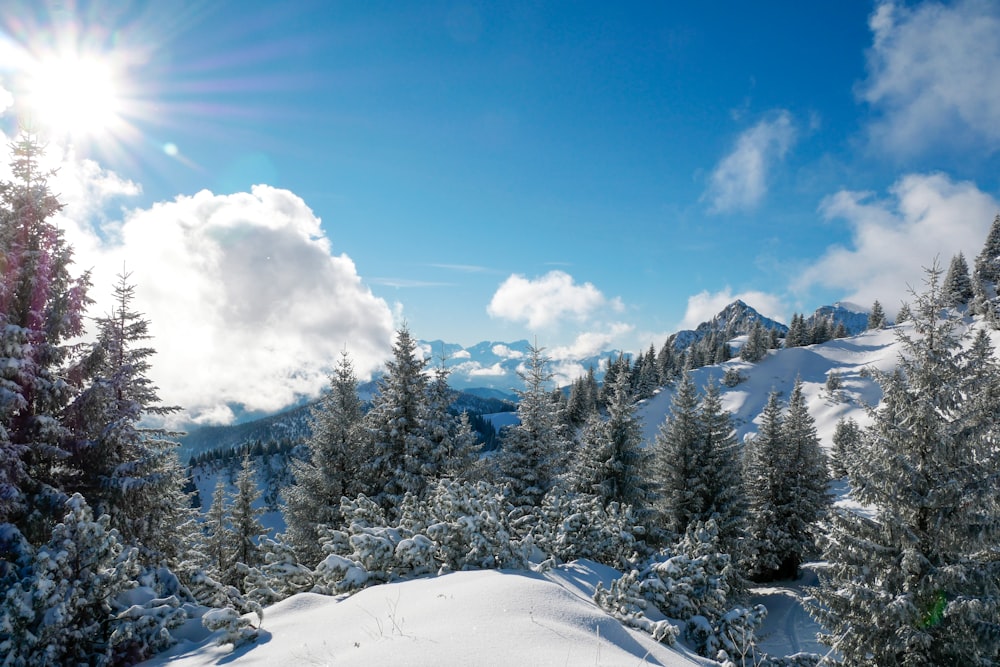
<point x="732" y="321"/>
<point x="852" y="316"/>
<point x="489" y="368"/>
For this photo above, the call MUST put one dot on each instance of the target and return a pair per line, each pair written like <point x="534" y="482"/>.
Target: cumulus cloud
<point x="247" y="302"/>
<point x="740" y="180"/>
<point x="925" y="216"/>
<point x="705" y="305"/>
<point x="545" y="301"/>
<point x="248" y="305"/>
<point x="589" y="343"/>
<point x="505" y="352"/>
<point x="934" y="74"/>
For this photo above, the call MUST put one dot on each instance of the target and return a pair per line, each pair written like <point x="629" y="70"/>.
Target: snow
<point x="485" y="617"/>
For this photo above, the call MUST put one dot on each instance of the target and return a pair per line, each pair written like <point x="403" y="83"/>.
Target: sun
<point x="74" y="95"/>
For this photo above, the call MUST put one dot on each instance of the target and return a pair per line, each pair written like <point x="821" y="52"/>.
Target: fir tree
<point x="532" y="450"/>
<point x="904" y="313"/>
<point x="677" y="453"/>
<point x="876" y="318"/>
<point x="724" y="499"/>
<point x="846" y="443"/>
<point x="336" y="454"/>
<point x="611" y="460"/>
<point x="128" y="471"/>
<point x="986" y="275"/>
<point x="957" y="285"/>
<point x="41" y="308"/>
<point x="219" y="538"/>
<point x="245" y="518"/>
<point x="396" y="425"/>
<point x="916" y="583"/>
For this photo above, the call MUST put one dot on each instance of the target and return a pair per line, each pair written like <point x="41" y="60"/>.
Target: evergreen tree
<point x="820" y="332"/>
<point x="957" y="286"/>
<point x="397" y="427"/>
<point x="532" y="450"/>
<point x="757" y="343"/>
<point x="807" y="478"/>
<point x="336" y="454"/>
<point x="128" y="471"/>
<point x="846" y="443"/>
<point x="986" y="275"/>
<point x="876" y="318"/>
<point x="219" y="538"/>
<point x="797" y="334"/>
<point x="916" y="582"/>
<point x="724" y="499"/>
<point x="677" y="452"/>
<point x="245" y="518"/>
<point x="41" y="308"/>
<point x="611" y="460"/>
<point x="904" y="313"/>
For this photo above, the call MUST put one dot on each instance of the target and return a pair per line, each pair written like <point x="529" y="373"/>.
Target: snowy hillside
<point x="777" y="372"/>
<point x="480" y="618"/>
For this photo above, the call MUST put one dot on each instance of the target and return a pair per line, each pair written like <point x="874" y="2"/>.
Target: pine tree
<point x="677" y="452"/>
<point x="876" y="318"/>
<point x="219" y="538"/>
<point x="904" y="313"/>
<point x="846" y="443"/>
<point x="807" y="478"/>
<point x="957" y="286"/>
<point x="453" y="445"/>
<point x="41" y="308"/>
<point x="757" y="343"/>
<point x="724" y="500"/>
<point x="916" y="582"/>
<point x="796" y="335"/>
<point x="611" y="459"/>
<point x="396" y="426"/>
<point x="532" y="451"/>
<point x="245" y="518"/>
<point x="128" y="471"/>
<point x="986" y="275"/>
<point x="336" y="454"/>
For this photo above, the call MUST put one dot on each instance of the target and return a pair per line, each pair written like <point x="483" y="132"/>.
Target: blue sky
<point x="590" y="174"/>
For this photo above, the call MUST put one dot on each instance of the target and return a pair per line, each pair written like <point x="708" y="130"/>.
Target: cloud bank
<point x="934" y="75"/>
<point x="546" y="301"/>
<point x="926" y="216"/>
<point x="740" y="180"/>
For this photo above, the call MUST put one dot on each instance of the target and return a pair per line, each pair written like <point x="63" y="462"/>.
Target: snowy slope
<point x="778" y="371"/>
<point x="465" y="619"/>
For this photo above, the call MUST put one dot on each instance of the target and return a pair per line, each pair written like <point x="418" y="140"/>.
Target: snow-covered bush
<point x="237" y="629"/>
<point x="456" y="526"/>
<point x="280" y="576"/>
<point x="573" y="525"/>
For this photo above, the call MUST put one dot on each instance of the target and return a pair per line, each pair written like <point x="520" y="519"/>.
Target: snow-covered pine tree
<point x="582" y="400"/>
<point x="219" y="540"/>
<point x="957" y="285"/>
<point x="60" y="608"/>
<point x="533" y="451"/>
<point x="396" y="427"/>
<point x="876" y="317"/>
<point x="41" y="308"/>
<point x="797" y="334"/>
<point x="453" y="447"/>
<point x="986" y="276"/>
<point x="245" y="518"/>
<point x="764" y="471"/>
<point x="677" y="454"/>
<point x="611" y="459"/>
<point x="757" y="345"/>
<point x="846" y="443"/>
<point x="128" y="471"/>
<point x="807" y="479"/>
<point x="917" y="582"/>
<point x="904" y="314"/>
<point x="725" y="501"/>
<point x="336" y="455"/>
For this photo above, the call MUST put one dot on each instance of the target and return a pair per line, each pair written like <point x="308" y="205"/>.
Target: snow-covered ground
<point x="467" y="619"/>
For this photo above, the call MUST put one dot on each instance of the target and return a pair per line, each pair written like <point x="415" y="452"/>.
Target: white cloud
<point x="545" y="301"/>
<point x="705" y="305"/>
<point x="739" y="181"/>
<point x="247" y="304"/>
<point x="505" y="352"/>
<point x="246" y="300"/>
<point x="926" y="216"/>
<point x="589" y="343"/>
<point x="6" y="100"/>
<point x="934" y="74"/>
